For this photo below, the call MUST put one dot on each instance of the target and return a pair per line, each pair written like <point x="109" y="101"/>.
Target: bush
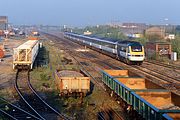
<point x="142" y="40"/>
<point x="103" y="31"/>
<point x="176" y="45"/>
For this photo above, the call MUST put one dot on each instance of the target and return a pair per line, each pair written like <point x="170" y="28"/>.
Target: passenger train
<point x="130" y="52"/>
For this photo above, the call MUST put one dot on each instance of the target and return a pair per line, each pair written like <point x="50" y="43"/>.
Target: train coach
<point x="130" y="52"/>
<point x="25" y="55"/>
<point x="143" y="98"/>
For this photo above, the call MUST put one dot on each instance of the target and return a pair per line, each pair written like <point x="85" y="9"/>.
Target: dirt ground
<point x="7" y="75"/>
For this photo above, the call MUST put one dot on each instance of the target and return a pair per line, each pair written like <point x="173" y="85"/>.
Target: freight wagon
<point x="70" y="81"/>
<point x="25" y="55"/>
<point x="149" y="100"/>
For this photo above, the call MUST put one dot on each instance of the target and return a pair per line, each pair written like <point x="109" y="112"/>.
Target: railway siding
<point x="35" y="103"/>
<point x="15" y="112"/>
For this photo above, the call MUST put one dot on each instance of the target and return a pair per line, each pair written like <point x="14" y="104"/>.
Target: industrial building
<point x="158" y="48"/>
<point x="3" y="24"/>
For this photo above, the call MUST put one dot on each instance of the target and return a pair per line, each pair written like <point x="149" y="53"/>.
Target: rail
<point x="7" y="114"/>
<point x="163" y="64"/>
<point x="16" y="109"/>
<point x="22" y="97"/>
<point x="40" y="100"/>
<point x="172" y="82"/>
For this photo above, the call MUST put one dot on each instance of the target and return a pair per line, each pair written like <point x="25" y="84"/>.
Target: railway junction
<point x="89" y="84"/>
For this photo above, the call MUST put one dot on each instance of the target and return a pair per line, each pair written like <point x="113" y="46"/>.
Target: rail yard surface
<point x="89" y="60"/>
<point x="157" y="79"/>
<point x="41" y="94"/>
<point x="6" y="73"/>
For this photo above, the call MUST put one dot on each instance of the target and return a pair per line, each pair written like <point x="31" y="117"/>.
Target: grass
<point x="1" y="118"/>
<point x="7" y="93"/>
<point x="44" y="75"/>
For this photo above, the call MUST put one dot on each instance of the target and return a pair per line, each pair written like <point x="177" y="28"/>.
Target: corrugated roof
<point x="28" y="45"/>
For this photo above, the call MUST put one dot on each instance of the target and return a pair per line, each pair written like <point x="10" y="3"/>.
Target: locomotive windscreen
<point x="136" y="48"/>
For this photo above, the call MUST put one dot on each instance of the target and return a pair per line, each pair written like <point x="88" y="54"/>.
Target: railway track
<point x="174" y="73"/>
<point x="107" y="113"/>
<point x="31" y="101"/>
<point x="158" y="78"/>
<point x="94" y="73"/>
<point x="14" y="112"/>
<point x="167" y="81"/>
<point x="163" y="64"/>
<point x="164" y="77"/>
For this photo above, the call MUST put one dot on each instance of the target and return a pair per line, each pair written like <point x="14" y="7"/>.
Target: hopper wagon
<point x="150" y="101"/>
<point x="70" y="82"/>
<point x="25" y="55"/>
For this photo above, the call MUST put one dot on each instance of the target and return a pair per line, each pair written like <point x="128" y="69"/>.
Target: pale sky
<point x="90" y="12"/>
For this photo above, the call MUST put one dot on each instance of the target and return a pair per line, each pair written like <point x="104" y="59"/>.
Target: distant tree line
<point x="178" y="30"/>
<point x="176" y="45"/>
<point x="103" y="31"/>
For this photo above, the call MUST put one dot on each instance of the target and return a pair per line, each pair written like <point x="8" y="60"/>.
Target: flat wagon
<point x="69" y="82"/>
<point x="149" y="100"/>
<point x="25" y="55"/>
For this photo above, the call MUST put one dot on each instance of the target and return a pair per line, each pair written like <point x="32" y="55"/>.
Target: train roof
<point x="128" y="42"/>
<point x="27" y="45"/>
<point x="95" y="38"/>
<point x="111" y="41"/>
<point x="105" y="38"/>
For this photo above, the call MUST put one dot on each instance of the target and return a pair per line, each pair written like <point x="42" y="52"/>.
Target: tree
<point x="142" y="40"/>
<point x="153" y="37"/>
<point x="103" y="31"/>
<point x="176" y="45"/>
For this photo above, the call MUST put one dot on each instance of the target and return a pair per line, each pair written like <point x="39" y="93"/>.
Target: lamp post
<point x="166" y="24"/>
